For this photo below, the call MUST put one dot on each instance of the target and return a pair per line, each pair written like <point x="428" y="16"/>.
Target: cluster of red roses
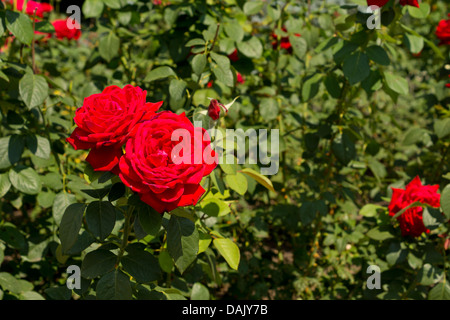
<point x="118" y="118"/>
<point x="411" y="221"/>
<point x="61" y="29"/>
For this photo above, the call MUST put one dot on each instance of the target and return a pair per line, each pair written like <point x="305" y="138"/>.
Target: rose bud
<point x="214" y="109"/>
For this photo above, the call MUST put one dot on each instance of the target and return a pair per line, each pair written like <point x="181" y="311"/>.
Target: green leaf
<point x="160" y="73"/>
<point x="261" y="179"/>
<point x="237" y="182"/>
<point x="70" y="225"/>
<point x="378" y="55"/>
<point x="142" y="266"/>
<point x="182" y="241"/>
<point x="253" y="7"/>
<point x="92" y="8"/>
<point x="370" y="210"/>
<point x="223" y="75"/>
<point x="332" y="84"/>
<point x="20" y="26"/>
<point x="214" y="207"/>
<point x="45" y="27"/>
<point x="311" y="87"/>
<point x="269" y="109"/>
<point x="356" y="67"/>
<point x="4" y="153"/>
<point x="5" y="184"/>
<point x="12" y="237"/>
<point x="199" y="63"/>
<point x="442" y="127"/>
<point x="97" y="263"/>
<point x="150" y="220"/>
<point x="381" y="233"/>
<point x="413" y="135"/>
<point x="440" y="292"/>
<point x="251" y="48"/>
<point x="396" y="83"/>
<point x="429" y="275"/>
<point x="58" y="293"/>
<point x="39" y="146"/>
<point x="199" y="292"/>
<point x="109" y="46"/>
<point x="445" y="201"/>
<point x="195" y="42"/>
<point x="421" y="12"/>
<point x="234" y="30"/>
<point x="25" y="180"/>
<point x="299" y="46"/>
<point x="10" y="283"/>
<point x="114" y="285"/>
<point x="229" y="250"/>
<point x="16" y="145"/>
<point x="165" y="261"/>
<point x="101" y="218"/>
<point x="396" y="254"/>
<point x="177" y="91"/>
<point x="33" y="90"/>
<point x="117" y="191"/>
<point x="432" y="218"/>
<point x="377" y="168"/>
<point x="60" y="204"/>
<point x="344" y="148"/>
<point x="204" y="242"/>
<point x="414" y="43"/>
<point x="115" y="4"/>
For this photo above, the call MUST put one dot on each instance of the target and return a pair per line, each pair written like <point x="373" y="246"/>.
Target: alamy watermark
<point x="74" y="280"/>
<point x="259" y="149"/>
<point x="374" y="21"/>
<point x="374" y="281"/>
<point x="73" y="21"/>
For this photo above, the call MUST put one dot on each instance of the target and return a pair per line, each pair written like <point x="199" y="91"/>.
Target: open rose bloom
<point x="105" y="121"/>
<point x="411" y="221"/>
<point x="165" y="160"/>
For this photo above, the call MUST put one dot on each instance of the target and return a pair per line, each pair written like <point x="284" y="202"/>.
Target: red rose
<point x="40" y="8"/>
<point x="234" y="56"/>
<point x="105" y="121"/>
<point x="284" y="42"/>
<point x="413" y="3"/>
<point x="443" y="31"/>
<point x="411" y="221"/>
<point x="151" y="166"/>
<point x="378" y="3"/>
<point x="62" y="30"/>
<point x="240" y="78"/>
<point x="214" y="109"/>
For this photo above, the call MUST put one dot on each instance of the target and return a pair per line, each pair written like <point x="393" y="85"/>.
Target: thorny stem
<point x="215" y="37"/>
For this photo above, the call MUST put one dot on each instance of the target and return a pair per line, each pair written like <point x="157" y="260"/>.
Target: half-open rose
<point x="105" y="121"/>
<point x="165" y="159"/>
